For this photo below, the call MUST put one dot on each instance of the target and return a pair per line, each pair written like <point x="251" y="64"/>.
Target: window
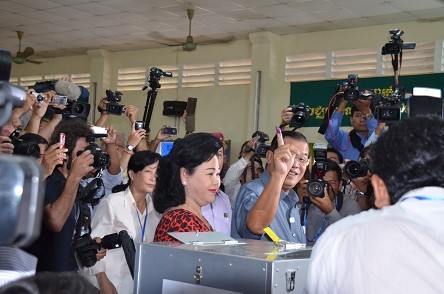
<point x="236" y="72"/>
<point x="198" y="75"/>
<point x="358" y="61"/>
<point x="131" y="79"/>
<point x="305" y="67"/>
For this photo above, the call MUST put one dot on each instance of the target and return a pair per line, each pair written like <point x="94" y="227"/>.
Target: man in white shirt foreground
<point x="399" y="248"/>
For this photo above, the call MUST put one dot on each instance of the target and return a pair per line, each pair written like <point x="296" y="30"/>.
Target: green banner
<point x="317" y="94"/>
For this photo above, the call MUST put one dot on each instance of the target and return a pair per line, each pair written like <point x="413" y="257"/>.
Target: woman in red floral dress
<point x="188" y="178"/>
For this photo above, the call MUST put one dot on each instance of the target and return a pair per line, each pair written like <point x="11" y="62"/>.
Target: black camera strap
<point x="355" y="140"/>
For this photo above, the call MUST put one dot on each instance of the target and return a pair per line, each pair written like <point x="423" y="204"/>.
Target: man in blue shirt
<point x="270" y="200"/>
<point x="363" y="123"/>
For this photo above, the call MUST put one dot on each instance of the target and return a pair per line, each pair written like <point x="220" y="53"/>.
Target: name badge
<point x="292" y="219"/>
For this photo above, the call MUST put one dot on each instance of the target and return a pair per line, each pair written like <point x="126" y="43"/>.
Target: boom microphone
<point x="68" y="89"/>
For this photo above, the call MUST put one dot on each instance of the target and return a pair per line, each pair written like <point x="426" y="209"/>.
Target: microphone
<point x="68" y="89"/>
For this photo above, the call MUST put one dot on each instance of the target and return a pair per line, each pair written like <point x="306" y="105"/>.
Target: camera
<point x="113" y="107"/>
<point x="301" y="113"/>
<point x="351" y="92"/>
<point x="316" y="186"/>
<point x="155" y="75"/>
<point x="261" y="147"/>
<point x="101" y="158"/>
<point x="59" y="100"/>
<point x="388" y="109"/>
<point x="170" y="131"/>
<point x="396" y="44"/>
<point x="139" y="124"/>
<point x="87" y="248"/>
<point x="24" y="148"/>
<point x="356" y="169"/>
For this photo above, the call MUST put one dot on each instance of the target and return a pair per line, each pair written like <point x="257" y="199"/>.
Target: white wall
<point x="228" y="109"/>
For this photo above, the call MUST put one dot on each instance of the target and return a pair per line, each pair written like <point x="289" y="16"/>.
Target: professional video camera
<point x="87" y="248"/>
<point x="67" y="94"/>
<point x="261" y="147"/>
<point x="356" y="169"/>
<point x="155" y="75"/>
<point x="388" y="109"/>
<point x="101" y="158"/>
<point x="315" y="187"/>
<point x="24" y="148"/>
<point x="113" y="107"/>
<point x="301" y="113"/>
<point x="396" y="44"/>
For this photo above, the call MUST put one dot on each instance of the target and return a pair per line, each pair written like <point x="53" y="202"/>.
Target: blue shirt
<point x="340" y="138"/>
<point x="286" y="222"/>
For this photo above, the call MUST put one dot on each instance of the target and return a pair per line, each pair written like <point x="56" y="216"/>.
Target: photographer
<point x="363" y="123"/>
<point x="270" y="200"/>
<point x="397" y="249"/>
<point x="326" y="210"/>
<point x="54" y="246"/>
<point x="231" y="180"/>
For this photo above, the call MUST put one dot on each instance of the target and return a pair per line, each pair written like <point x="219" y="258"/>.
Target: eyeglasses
<point x="302" y="159"/>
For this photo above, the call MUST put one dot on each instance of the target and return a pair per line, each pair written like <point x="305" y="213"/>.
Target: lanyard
<point x="142" y="228"/>
<point x="430" y="198"/>
<point x="319" y="231"/>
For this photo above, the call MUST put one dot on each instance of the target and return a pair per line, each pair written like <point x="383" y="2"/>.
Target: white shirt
<point x="231" y="180"/>
<point x="398" y="249"/>
<point x="114" y="213"/>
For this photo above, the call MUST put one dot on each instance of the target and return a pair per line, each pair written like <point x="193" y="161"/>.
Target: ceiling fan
<point x="22" y="57"/>
<point x="189" y="44"/>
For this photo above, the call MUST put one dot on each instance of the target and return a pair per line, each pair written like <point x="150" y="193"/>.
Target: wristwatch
<point x="130" y="147"/>
<point x="369" y="116"/>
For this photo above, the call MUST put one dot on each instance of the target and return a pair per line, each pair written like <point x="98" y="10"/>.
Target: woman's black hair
<point x="137" y="162"/>
<point x="188" y="153"/>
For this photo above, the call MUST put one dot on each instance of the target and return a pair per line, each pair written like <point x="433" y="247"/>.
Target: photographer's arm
<point x="103" y="113"/>
<point x="57" y="212"/>
<point x="110" y="141"/>
<point x="333" y="134"/>
<point x="47" y="131"/>
<point x="134" y="139"/>
<point x="159" y="138"/>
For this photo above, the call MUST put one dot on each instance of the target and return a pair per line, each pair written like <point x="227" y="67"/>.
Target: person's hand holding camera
<point x="131" y="113"/>
<point x="136" y="136"/>
<point x="363" y="105"/>
<point x="324" y="204"/>
<point x="112" y="135"/>
<point x="286" y="115"/>
<point x="53" y="156"/>
<point x="82" y="165"/>
<point x="6" y="146"/>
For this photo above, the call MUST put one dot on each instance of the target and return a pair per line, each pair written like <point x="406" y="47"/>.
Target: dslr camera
<point x="356" y="169"/>
<point x="101" y="158"/>
<point x="301" y="113"/>
<point x="261" y="147"/>
<point x="87" y="248"/>
<point x="113" y="107"/>
<point x="316" y="186"/>
<point x="24" y="148"/>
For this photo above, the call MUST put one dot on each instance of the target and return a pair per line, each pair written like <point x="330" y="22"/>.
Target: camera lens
<point x="101" y="159"/>
<point x="315" y="188"/>
<point x="79" y="108"/>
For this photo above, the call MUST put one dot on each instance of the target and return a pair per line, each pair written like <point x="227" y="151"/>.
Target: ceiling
<point x="70" y="27"/>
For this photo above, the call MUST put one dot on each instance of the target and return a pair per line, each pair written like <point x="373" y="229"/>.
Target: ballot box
<point x="221" y="266"/>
